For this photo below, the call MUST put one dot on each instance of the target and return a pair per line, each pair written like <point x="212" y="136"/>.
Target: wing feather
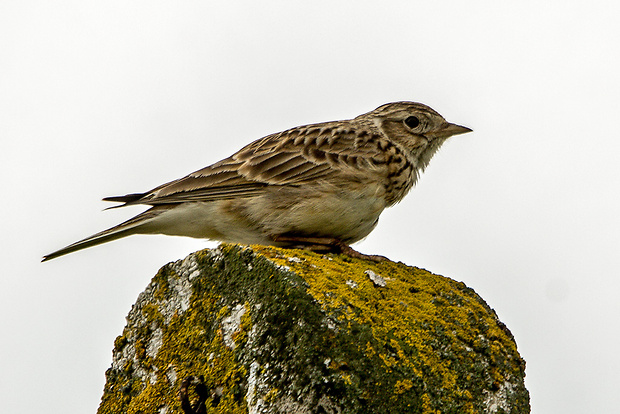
<point x="290" y="158"/>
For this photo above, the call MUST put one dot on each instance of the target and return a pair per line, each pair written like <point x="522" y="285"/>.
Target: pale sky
<point x="108" y="98"/>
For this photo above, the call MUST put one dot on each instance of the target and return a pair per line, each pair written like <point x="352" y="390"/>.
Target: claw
<point x="327" y="245"/>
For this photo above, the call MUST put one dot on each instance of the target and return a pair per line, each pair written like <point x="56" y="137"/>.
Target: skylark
<point x="320" y="186"/>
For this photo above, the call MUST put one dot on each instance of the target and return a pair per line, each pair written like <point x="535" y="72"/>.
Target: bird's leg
<point x="326" y="245"/>
<point x="351" y="252"/>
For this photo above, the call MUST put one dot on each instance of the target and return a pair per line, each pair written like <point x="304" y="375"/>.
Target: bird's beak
<point x="447" y="130"/>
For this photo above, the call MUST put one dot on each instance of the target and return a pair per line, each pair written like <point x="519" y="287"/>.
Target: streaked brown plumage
<point x="320" y="186"/>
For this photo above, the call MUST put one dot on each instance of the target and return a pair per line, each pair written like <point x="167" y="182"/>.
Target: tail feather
<point x="128" y="199"/>
<point x="127" y="228"/>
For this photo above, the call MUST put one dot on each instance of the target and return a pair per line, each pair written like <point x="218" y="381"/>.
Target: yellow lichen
<point x="402" y="386"/>
<point x="418" y="342"/>
<point x="399" y="312"/>
<point x="215" y="362"/>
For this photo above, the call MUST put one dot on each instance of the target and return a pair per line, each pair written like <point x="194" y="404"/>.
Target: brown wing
<point x="294" y="157"/>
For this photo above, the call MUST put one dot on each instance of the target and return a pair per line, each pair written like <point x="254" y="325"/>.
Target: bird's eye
<point x="412" y="121"/>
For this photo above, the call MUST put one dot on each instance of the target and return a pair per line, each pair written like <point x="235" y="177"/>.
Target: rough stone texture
<point x="289" y="331"/>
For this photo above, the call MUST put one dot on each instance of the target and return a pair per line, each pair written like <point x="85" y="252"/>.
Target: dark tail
<point x="129" y="227"/>
<point x="126" y="199"/>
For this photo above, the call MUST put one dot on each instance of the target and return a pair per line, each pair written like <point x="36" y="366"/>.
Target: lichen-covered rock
<point x="267" y="330"/>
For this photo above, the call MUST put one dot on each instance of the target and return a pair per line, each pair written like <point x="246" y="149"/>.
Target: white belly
<point x="283" y="211"/>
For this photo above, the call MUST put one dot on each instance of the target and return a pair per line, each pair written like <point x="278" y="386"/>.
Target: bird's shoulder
<point x="297" y="156"/>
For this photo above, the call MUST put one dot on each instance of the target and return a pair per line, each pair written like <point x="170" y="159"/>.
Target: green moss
<point x="427" y="332"/>
<point x="318" y="329"/>
<point x="189" y="346"/>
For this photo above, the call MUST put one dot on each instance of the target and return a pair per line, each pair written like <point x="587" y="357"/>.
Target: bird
<point x="320" y="187"/>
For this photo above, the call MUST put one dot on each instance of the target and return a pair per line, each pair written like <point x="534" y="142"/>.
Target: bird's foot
<point x="326" y="245"/>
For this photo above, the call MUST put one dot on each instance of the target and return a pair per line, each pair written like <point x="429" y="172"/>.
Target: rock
<point x="266" y="330"/>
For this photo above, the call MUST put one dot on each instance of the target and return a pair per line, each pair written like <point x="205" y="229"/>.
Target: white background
<point x="108" y="98"/>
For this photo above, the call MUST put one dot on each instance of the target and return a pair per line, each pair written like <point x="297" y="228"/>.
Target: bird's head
<point x="415" y="126"/>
